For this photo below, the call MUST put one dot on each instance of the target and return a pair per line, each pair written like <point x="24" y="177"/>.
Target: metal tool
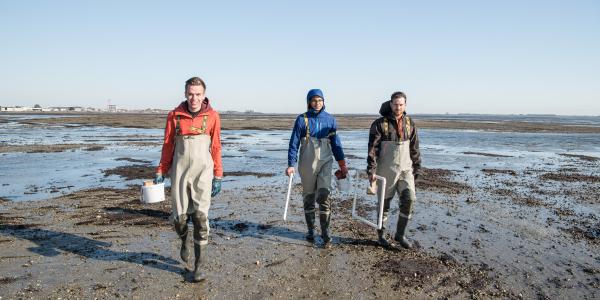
<point x="287" y="198"/>
<point x="355" y="216"/>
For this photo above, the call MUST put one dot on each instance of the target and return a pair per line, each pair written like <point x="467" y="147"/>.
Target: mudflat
<point x="285" y="121"/>
<point x="496" y="231"/>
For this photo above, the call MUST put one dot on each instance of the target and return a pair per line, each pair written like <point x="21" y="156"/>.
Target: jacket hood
<point x="386" y="110"/>
<point x="204" y="108"/>
<point x="312" y="93"/>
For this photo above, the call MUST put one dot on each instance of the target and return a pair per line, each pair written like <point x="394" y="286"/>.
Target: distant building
<point x="112" y="108"/>
<point x="15" y="108"/>
<point x="57" y="108"/>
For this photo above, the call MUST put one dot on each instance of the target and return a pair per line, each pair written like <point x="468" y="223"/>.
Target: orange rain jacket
<point x="187" y="125"/>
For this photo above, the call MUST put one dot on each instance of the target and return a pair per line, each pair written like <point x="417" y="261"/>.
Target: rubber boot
<point x="381" y="238"/>
<point x="383" y="242"/>
<point x="200" y="253"/>
<point x="400" y="230"/>
<point x="324" y="219"/>
<point x="310" y="224"/>
<point x="181" y="228"/>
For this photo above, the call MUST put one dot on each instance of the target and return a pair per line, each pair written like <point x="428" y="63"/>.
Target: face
<point x="398" y="106"/>
<point x="194" y="95"/>
<point x="316" y="103"/>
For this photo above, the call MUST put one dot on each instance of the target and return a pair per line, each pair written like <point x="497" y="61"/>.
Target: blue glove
<point x="216" y="186"/>
<point x="158" y="178"/>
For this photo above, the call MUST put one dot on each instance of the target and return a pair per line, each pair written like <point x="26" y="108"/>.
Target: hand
<point x="158" y="178"/>
<point x="343" y="169"/>
<point x="289" y="171"/>
<point x="216" y="186"/>
<point x="371" y="177"/>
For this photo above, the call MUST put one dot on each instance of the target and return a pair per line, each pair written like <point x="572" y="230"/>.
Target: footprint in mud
<point x="240" y="227"/>
<point x="264" y="226"/>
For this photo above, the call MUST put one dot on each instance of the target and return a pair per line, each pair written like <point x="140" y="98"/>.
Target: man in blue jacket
<point x="315" y="134"/>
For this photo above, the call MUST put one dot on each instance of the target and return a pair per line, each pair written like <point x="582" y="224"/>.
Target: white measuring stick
<point x="379" y="224"/>
<point x="287" y="198"/>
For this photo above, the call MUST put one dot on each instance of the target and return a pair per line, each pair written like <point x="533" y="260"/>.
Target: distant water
<point x="35" y="176"/>
<point x="555" y="119"/>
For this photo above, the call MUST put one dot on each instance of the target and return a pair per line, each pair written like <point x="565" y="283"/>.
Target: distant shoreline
<point x="256" y="121"/>
<point x="165" y="111"/>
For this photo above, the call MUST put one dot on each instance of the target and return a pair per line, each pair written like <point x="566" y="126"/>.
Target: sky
<point x="489" y="57"/>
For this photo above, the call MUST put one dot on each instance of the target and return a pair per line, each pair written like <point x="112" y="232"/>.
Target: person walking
<point x="315" y="135"/>
<point x="393" y="152"/>
<point x="191" y="155"/>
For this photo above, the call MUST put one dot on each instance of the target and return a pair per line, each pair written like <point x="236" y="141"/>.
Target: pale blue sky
<point x="448" y="56"/>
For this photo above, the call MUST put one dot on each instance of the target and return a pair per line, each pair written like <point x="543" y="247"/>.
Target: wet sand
<point x="500" y="234"/>
<point x="285" y="122"/>
<point x="104" y="243"/>
<point x="49" y="148"/>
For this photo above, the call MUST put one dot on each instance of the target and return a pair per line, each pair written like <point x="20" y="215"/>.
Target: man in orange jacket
<point x="191" y="155"/>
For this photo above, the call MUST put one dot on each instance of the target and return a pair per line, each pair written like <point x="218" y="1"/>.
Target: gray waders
<point x="315" y="166"/>
<point x="191" y="184"/>
<point x="395" y="165"/>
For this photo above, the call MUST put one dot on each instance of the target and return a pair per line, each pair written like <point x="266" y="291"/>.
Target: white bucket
<point x="343" y="185"/>
<point x="153" y="193"/>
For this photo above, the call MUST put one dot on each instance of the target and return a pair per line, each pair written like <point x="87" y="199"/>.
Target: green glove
<point x="216" y="186"/>
<point x="158" y="178"/>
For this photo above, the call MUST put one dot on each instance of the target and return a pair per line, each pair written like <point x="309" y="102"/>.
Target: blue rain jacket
<point x="321" y="124"/>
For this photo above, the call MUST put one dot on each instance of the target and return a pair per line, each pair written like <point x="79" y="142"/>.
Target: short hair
<point x="195" y="81"/>
<point x="397" y="95"/>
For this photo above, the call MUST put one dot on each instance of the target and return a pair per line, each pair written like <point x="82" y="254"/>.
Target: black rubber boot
<point x="381" y="238"/>
<point x="310" y="224"/>
<point x="200" y="253"/>
<point x="181" y="228"/>
<point x="383" y="242"/>
<point x="324" y="216"/>
<point x="324" y="219"/>
<point x="400" y="230"/>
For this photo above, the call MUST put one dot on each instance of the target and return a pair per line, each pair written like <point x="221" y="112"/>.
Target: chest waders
<point x="191" y="183"/>
<point x="394" y="163"/>
<point x="315" y="165"/>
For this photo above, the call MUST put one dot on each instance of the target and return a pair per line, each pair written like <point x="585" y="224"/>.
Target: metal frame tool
<point x="355" y="216"/>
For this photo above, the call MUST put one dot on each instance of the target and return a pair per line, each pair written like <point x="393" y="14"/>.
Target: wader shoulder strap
<point x="178" y="126"/>
<point x="199" y="130"/>
<point x="306" y="123"/>
<point x="203" y="128"/>
<point x="408" y="127"/>
<point x="386" y="126"/>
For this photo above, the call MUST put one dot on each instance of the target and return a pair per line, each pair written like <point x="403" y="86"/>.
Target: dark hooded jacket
<point x="376" y="136"/>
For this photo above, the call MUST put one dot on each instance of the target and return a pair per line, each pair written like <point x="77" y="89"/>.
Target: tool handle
<point x="287" y="198"/>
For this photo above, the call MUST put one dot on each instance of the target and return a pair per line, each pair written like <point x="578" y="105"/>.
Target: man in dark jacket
<point x="394" y="154"/>
<point x="315" y="133"/>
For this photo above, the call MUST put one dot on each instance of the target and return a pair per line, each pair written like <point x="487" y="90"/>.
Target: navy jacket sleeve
<point x="336" y="143"/>
<point x="297" y="134"/>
